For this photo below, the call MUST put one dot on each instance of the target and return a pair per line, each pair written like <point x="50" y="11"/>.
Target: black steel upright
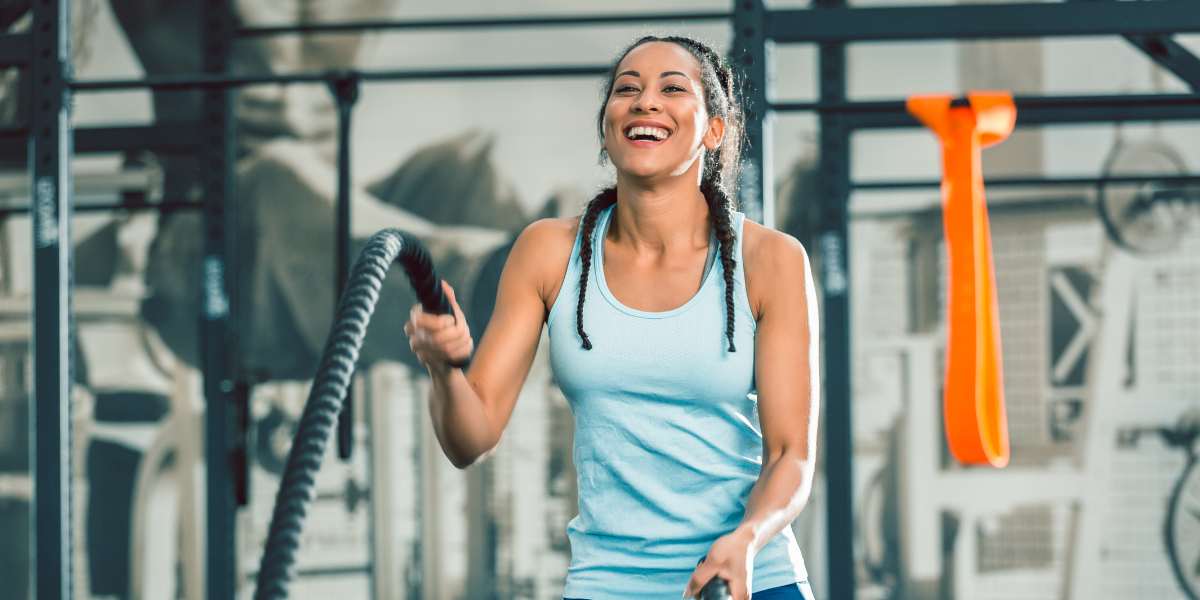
<point x="834" y="251"/>
<point x="217" y="167"/>
<point x="50" y="410"/>
<point x="345" y="91"/>
<point x="756" y="191"/>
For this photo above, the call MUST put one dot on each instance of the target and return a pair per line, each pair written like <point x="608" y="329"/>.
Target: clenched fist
<point x="439" y="340"/>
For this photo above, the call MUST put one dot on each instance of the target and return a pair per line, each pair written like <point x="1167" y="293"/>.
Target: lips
<point x="642" y="132"/>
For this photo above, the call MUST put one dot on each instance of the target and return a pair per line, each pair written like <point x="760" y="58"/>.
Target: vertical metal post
<point x="217" y="168"/>
<point x="50" y="410"/>
<point x="345" y="90"/>
<point x="834" y="249"/>
<point x="756" y="190"/>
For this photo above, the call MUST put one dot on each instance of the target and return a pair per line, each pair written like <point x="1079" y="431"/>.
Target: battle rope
<point x="296" y="490"/>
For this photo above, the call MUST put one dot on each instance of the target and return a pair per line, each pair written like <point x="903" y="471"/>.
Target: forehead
<point x="655" y="57"/>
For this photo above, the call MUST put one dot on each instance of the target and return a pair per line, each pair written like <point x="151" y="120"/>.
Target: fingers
<point x="699" y="578"/>
<point x="456" y="311"/>
<point x="703" y="575"/>
<point x="448" y="334"/>
<point x="439" y="338"/>
<point x="428" y="320"/>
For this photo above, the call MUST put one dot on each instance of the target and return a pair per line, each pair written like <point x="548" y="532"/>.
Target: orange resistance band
<point x="973" y="402"/>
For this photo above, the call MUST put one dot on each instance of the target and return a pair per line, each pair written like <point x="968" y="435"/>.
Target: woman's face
<point x="655" y="122"/>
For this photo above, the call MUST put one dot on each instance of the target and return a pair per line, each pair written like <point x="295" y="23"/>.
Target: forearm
<point x="782" y="490"/>
<point x="460" y="418"/>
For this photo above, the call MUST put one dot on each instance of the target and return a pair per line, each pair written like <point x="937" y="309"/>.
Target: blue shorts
<point x="793" y="591"/>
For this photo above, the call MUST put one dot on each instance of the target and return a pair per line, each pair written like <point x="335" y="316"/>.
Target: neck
<point x="654" y="218"/>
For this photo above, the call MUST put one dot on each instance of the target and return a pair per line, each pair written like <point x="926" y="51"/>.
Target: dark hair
<point x="718" y="182"/>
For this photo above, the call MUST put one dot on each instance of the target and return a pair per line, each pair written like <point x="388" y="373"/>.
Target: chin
<point x="644" y="169"/>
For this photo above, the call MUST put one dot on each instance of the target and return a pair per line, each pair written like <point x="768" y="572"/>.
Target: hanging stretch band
<point x="296" y="489"/>
<point x="973" y="401"/>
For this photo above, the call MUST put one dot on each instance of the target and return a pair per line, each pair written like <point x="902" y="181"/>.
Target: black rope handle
<point x="357" y="303"/>
<point x="715" y="589"/>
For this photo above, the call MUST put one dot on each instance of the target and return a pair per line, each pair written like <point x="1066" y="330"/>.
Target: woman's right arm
<point x="470" y="410"/>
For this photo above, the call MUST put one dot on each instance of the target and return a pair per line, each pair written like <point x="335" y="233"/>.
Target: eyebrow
<point x="663" y="74"/>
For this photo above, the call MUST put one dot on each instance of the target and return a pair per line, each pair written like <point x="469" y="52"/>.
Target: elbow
<point x="461" y="463"/>
<point x="462" y="459"/>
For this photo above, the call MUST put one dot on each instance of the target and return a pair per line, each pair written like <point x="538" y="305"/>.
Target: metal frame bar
<point x="216" y="338"/>
<point x="162" y="207"/>
<point x="345" y="94"/>
<point x="53" y="376"/>
<point x="897" y="184"/>
<point x="834" y="250"/>
<point x="982" y="21"/>
<point x="1031" y="110"/>
<point x="168" y="137"/>
<point x="755" y="187"/>
<point x="480" y="23"/>
<point x="191" y="82"/>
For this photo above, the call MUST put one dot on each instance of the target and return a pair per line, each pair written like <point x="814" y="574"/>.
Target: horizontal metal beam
<point x="171" y="137"/>
<point x="15" y="49"/>
<point x="135" y="179"/>
<point x="165" y="137"/>
<point x="160" y="207"/>
<point x="983" y="21"/>
<point x="478" y="23"/>
<point x="90" y="304"/>
<point x="932" y="206"/>
<point x="1031" y="110"/>
<point x="201" y="81"/>
<point x="899" y="184"/>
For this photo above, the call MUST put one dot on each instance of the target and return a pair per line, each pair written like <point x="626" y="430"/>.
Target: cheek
<point x="613" y="112"/>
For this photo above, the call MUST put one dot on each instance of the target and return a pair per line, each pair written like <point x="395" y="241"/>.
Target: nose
<point x="647" y="102"/>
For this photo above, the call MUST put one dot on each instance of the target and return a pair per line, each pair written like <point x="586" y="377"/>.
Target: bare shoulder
<point x="773" y="260"/>
<point x="542" y="250"/>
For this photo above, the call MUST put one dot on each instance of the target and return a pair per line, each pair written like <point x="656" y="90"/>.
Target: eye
<point x="674" y="87"/>
<point x="625" y="87"/>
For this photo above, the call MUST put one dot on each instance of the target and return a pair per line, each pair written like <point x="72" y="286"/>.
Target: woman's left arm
<point x="787" y="370"/>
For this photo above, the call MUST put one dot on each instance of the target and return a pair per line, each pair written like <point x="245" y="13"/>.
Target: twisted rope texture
<point x="297" y="490"/>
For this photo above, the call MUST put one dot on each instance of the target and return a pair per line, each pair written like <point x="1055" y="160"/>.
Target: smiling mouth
<point x="646" y="136"/>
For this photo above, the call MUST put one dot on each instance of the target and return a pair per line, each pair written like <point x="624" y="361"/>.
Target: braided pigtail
<point x="606" y="198"/>
<point x="720" y="215"/>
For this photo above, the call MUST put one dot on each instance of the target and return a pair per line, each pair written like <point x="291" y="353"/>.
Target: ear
<point x="715" y="133"/>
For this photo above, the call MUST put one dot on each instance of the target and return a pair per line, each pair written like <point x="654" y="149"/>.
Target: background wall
<point x="468" y="164"/>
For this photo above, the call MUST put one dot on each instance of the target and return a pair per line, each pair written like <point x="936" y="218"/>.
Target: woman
<point x="684" y="475"/>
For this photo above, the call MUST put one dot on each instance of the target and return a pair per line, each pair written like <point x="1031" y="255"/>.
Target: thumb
<point x="455" y="311"/>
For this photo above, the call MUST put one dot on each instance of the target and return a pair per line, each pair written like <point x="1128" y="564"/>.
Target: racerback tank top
<point x="667" y="436"/>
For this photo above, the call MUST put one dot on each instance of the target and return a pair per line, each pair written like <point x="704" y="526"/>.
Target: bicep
<point x="509" y="343"/>
<point x="787" y="364"/>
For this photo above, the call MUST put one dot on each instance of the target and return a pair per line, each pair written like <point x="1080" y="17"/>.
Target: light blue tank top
<point x="667" y="436"/>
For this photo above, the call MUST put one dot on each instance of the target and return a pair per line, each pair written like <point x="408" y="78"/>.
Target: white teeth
<point x="660" y="134"/>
